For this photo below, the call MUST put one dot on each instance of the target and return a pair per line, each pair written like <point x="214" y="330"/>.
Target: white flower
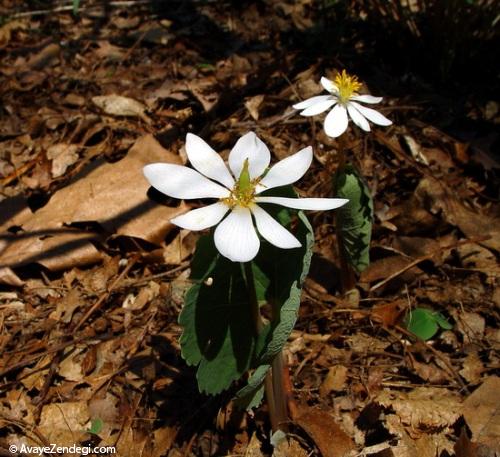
<point x="344" y="99"/>
<point x="236" y="236"/>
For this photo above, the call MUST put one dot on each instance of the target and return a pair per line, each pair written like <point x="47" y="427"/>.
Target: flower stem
<point x="273" y="384"/>
<point x="347" y="277"/>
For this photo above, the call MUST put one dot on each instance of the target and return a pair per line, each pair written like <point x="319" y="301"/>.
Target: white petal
<point x="235" y="237"/>
<point x="304" y="203"/>
<point x="207" y="161"/>
<point x="201" y="218"/>
<point x="336" y="121"/>
<point x="358" y="118"/>
<point x="365" y="98"/>
<point x="311" y="101"/>
<point x="182" y="182"/>
<point x="249" y="147"/>
<point x="318" y="107"/>
<point x="372" y="115"/>
<point x="287" y="171"/>
<point x="329" y="85"/>
<point x="273" y="231"/>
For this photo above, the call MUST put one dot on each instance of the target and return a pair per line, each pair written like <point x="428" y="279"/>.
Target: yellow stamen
<point x="243" y="192"/>
<point x="348" y="85"/>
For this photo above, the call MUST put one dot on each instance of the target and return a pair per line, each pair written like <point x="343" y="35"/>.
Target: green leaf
<point x="96" y="426"/>
<point x="442" y="321"/>
<point x="218" y="333"/>
<point x="251" y="395"/>
<point x="76" y="5"/>
<point x="354" y="219"/>
<point x="424" y="323"/>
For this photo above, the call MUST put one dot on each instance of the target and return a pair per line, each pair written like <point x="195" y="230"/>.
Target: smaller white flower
<point x="236" y="236"/>
<point x="345" y="101"/>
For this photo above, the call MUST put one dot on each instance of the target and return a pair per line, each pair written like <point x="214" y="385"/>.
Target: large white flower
<point x="345" y="101"/>
<point x="237" y="190"/>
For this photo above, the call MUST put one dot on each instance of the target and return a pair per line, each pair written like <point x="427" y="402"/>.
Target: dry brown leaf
<point x="118" y="105"/>
<point x="472" y="368"/>
<point x="464" y="447"/>
<point x="439" y="198"/>
<point x="64" y="423"/>
<point x="334" y="380"/>
<point x="62" y="155"/>
<point x="112" y="194"/>
<point x="424" y="408"/>
<point x="254" y="447"/>
<point x="423" y="445"/>
<point x="479" y="258"/>
<point x="180" y="248"/>
<point x="363" y="343"/>
<point x="429" y="372"/>
<point x="70" y="367"/>
<point x="49" y="55"/>
<point x="387" y="314"/>
<point x="289" y="448"/>
<point x="482" y="414"/>
<point x="324" y="431"/>
<point x="383" y="268"/>
<point x="470" y="325"/>
<point x="7" y="29"/>
<point x="164" y="438"/>
<point x="253" y="104"/>
<point x="416" y="246"/>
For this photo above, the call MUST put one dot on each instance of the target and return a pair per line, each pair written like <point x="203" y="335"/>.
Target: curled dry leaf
<point x="253" y="105"/>
<point x="118" y="105"/>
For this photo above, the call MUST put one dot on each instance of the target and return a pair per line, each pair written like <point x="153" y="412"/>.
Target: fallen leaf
<point x="334" y="380"/>
<point x="254" y="447"/>
<point x="64" y="423"/>
<point x="470" y="325"/>
<point x="472" y="368"/>
<point x="112" y="194"/>
<point x="424" y="408"/>
<point x="48" y="56"/>
<point x="437" y="197"/>
<point x="62" y="156"/>
<point x="253" y="104"/>
<point x="324" y="431"/>
<point x="481" y="411"/>
<point x="118" y="105"/>
<point x="383" y="268"/>
<point x="289" y="447"/>
<point x="9" y="27"/>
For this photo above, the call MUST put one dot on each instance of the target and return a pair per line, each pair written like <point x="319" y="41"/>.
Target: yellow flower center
<point x="243" y="192"/>
<point x="348" y="85"/>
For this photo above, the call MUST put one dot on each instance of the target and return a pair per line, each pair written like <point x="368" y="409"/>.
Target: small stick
<point x="103" y="297"/>
<point x="427" y="257"/>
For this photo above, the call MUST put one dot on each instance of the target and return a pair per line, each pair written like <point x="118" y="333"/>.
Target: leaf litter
<point x="93" y="275"/>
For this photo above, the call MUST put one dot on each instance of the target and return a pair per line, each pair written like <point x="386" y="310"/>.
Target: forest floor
<point x="92" y="274"/>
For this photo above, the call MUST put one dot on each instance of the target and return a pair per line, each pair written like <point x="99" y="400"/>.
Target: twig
<point x="104" y="296"/>
<point x="427" y="257"/>
<point x="60" y="9"/>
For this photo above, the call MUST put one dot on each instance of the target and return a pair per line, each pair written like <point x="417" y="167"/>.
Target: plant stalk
<point x="273" y="384"/>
